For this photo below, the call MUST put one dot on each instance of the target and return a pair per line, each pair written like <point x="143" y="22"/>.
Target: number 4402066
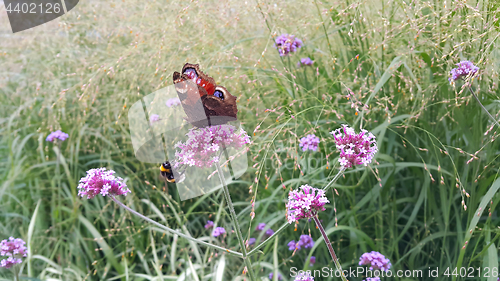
<point x="34" y="8"/>
<point x="471" y="272"/>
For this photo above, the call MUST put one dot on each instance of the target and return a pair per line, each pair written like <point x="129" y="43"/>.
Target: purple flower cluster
<point x="154" y="118"/>
<point x="355" y="149"/>
<point x="57" y="135"/>
<point x="312" y="260"/>
<point x="310" y="142"/>
<point x="305" y="61"/>
<point x="251" y="241"/>
<point x="101" y="181"/>
<point x="304" y="276"/>
<point x="13" y="249"/>
<point x="305" y="203"/>
<point x="305" y="242"/>
<point x="372" y="279"/>
<point x="203" y="144"/>
<point x="209" y="224"/>
<point x="218" y="231"/>
<point x="271" y="275"/>
<point x="173" y="102"/>
<point x="464" y="69"/>
<point x="375" y="260"/>
<point x="286" y="44"/>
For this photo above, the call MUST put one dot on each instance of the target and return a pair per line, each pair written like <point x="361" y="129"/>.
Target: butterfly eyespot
<point x="191" y="73"/>
<point x="219" y="94"/>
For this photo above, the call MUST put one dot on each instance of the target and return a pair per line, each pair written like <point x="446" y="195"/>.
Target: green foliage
<point x="378" y="65"/>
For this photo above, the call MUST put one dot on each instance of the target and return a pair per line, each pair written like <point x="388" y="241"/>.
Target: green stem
<point x="482" y="106"/>
<point x="330" y="248"/>
<point x="236" y="225"/>
<point x="174" y="231"/>
<point x="337" y="176"/>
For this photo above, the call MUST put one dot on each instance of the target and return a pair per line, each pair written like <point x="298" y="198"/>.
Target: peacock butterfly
<point x="196" y="90"/>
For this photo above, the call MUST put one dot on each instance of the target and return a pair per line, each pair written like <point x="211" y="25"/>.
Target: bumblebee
<point x="167" y="174"/>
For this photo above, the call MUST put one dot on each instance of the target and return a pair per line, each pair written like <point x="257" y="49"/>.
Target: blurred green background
<point x="379" y="65"/>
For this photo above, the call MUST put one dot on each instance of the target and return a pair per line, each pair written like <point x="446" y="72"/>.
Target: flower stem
<point x="236" y="225"/>
<point x="482" y="106"/>
<point x="330" y="248"/>
<point x="174" y="231"/>
<point x="337" y="176"/>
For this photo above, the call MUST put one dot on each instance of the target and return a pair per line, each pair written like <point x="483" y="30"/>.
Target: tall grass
<point x="429" y="201"/>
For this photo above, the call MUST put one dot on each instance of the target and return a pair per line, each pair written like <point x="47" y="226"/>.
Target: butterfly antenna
<point x="484" y="108"/>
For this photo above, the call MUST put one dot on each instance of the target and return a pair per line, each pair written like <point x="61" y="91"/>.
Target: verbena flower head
<point x="202" y="147"/>
<point x="14" y="249"/>
<point x="375" y="260"/>
<point x="218" y="231"/>
<point x="312" y="260"/>
<point x="260" y="226"/>
<point x="271" y="275"/>
<point x="269" y="232"/>
<point x="154" y="118"/>
<point x="309" y="142"/>
<point x="305" y="61"/>
<point x="372" y="279"/>
<point x="355" y="149"/>
<point x="60" y="135"/>
<point x="306" y="241"/>
<point x="286" y="44"/>
<point x="209" y="224"/>
<point x="304" y="276"/>
<point x="464" y="70"/>
<point x="305" y="203"/>
<point x="101" y="181"/>
<point x="173" y="102"/>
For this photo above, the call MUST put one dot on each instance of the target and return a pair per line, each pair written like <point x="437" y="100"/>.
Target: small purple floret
<point x="260" y="226"/>
<point x="218" y="231"/>
<point x="287" y="44"/>
<point x="309" y="142"/>
<point x="305" y="61"/>
<point x="375" y="260"/>
<point x="57" y="135"/>
<point x="173" y="102"/>
<point x="209" y="224"/>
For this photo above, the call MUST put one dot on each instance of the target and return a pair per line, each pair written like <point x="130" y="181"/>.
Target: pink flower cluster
<point x="305" y="203"/>
<point x="287" y="44"/>
<point x="13" y="249"/>
<point x="355" y="149"/>
<point x="101" y="181"/>
<point x="154" y="118"/>
<point x="375" y="260"/>
<point x="57" y="135"/>
<point x="464" y="69"/>
<point x="202" y="147"/>
<point x="309" y="142"/>
<point x="304" y="276"/>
